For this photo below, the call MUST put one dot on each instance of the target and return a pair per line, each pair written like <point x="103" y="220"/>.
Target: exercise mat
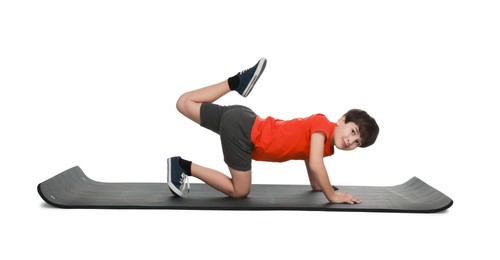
<point x="73" y="189"/>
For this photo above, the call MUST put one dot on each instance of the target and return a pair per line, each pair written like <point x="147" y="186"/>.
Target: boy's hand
<point x="342" y="197"/>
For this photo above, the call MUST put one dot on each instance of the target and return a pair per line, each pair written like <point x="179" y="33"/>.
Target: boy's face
<point x="346" y="135"/>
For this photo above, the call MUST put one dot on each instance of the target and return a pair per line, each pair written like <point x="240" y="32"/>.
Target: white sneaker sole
<point x="255" y="77"/>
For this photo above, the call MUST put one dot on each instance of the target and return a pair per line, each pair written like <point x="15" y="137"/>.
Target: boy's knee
<point x="181" y="103"/>
<point x="240" y="194"/>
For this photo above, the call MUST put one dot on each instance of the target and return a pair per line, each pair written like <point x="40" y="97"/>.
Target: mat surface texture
<point x="73" y="189"/>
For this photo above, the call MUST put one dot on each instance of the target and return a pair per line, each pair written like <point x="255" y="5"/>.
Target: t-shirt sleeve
<point x="319" y="123"/>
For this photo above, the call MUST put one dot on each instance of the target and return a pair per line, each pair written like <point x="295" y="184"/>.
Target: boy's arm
<point x="314" y="184"/>
<point x="318" y="174"/>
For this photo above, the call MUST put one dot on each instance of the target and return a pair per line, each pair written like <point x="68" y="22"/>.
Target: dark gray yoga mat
<point x="73" y="189"/>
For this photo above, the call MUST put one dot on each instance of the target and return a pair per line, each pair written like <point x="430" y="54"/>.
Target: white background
<point x="94" y="84"/>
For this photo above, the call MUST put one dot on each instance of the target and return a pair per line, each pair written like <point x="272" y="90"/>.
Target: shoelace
<point x="185" y="182"/>
<point x="245" y="70"/>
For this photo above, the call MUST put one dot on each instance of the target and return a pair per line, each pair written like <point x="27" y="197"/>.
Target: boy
<point x="246" y="136"/>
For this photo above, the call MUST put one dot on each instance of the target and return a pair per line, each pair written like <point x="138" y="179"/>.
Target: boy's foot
<point x="249" y="77"/>
<point x="176" y="178"/>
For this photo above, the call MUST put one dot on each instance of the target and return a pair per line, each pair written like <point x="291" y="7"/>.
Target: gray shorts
<point x="234" y="126"/>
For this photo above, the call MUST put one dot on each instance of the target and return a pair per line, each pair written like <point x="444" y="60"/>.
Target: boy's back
<point x="282" y="140"/>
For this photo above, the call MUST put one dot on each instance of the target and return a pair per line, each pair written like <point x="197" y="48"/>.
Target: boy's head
<point x="355" y="129"/>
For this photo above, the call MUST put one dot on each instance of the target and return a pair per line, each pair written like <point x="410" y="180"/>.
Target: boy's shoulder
<point x="319" y="117"/>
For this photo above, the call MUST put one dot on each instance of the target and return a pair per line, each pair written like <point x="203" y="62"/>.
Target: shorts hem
<point x="238" y="168"/>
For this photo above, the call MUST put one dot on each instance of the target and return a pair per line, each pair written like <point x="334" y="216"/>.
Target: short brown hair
<point x="368" y="128"/>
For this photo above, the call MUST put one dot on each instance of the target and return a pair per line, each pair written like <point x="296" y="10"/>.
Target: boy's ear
<point x="341" y="121"/>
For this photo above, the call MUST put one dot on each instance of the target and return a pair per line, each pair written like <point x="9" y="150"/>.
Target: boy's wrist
<point x="332" y="198"/>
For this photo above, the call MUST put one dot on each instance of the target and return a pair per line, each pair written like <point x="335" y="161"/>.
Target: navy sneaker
<point x="249" y="77"/>
<point x="176" y="178"/>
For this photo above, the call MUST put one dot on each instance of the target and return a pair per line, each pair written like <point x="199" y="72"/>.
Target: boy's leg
<point x="237" y="187"/>
<point x="178" y="171"/>
<point x="190" y="102"/>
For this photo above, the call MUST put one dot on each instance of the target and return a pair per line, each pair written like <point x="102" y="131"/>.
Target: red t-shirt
<point x="278" y="140"/>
